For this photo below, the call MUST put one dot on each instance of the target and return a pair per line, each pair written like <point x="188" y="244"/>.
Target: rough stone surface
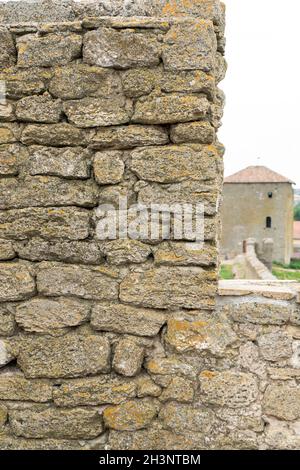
<point x="39" y="109"/>
<point x="65" y="162"/>
<point x="72" y="355"/>
<point x="180" y="389"/>
<point x="282" y="401"/>
<point x="8" y="52"/>
<point x="230" y="389"/>
<point x="173" y="164"/>
<point x="77" y="81"/>
<point x="108" y="167"/>
<point x="7" y="251"/>
<point x="47" y="315"/>
<point x="7" y="322"/>
<point x="170" y="288"/>
<point x="46" y="191"/>
<point x="95" y="283"/>
<point x="126" y="251"/>
<point x="14" y="386"/>
<point x="49" y="50"/>
<point x="16" y="281"/>
<point x="130" y="416"/>
<point x="206" y="334"/>
<point x="275" y="346"/>
<point x="56" y="135"/>
<point x="190" y="47"/>
<point x="169" y="109"/>
<point x="178" y="416"/>
<point x="184" y="254"/>
<point x="47" y="422"/>
<point x="259" y="313"/>
<point x="128" y="357"/>
<point x="197" y="132"/>
<point x="120" y="318"/>
<point x="123" y="137"/>
<point x="94" y="391"/>
<point x="53" y="222"/>
<point x="93" y="112"/>
<point x="102" y="47"/>
<point x="82" y="252"/>
<point x="9" y="160"/>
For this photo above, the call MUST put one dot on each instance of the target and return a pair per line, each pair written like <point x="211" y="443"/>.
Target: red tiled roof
<point x="257" y="174"/>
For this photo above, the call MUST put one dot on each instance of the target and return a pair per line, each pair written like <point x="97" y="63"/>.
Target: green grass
<point x="294" y="264"/>
<point x="226" y="272"/>
<point x="286" y="275"/>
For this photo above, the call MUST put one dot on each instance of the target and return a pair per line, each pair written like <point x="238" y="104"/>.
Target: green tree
<point x="297" y="212"/>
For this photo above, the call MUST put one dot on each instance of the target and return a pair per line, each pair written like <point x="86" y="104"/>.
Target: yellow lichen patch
<point x="130" y="416"/>
<point x="208" y="374"/>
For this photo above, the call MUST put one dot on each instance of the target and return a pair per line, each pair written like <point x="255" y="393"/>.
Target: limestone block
<point x="3" y="417"/>
<point x="146" y="387"/>
<point x="7" y="111"/>
<point x="126" y="251"/>
<point x="10" y="159"/>
<point x="170" y="109"/>
<point x="82" y="252"/>
<point x="41" y="108"/>
<point x="15" y="387"/>
<point x="24" y="82"/>
<point x="8" y="442"/>
<point x="197" y="132"/>
<point x="56" y="135"/>
<point x="121" y="319"/>
<point x="108" y="167"/>
<point x="67" y="162"/>
<point x="170" y="366"/>
<point x="173" y="164"/>
<point x="229" y="388"/>
<point x="178" y="417"/>
<point x="8" y="50"/>
<point x="275" y="346"/>
<point x="77" y="81"/>
<point x="68" y="222"/>
<point x="190" y="47"/>
<point x="190" y="192"/>
<point x="48" y="50"/>
<point x="208" y="333"/>
<point x="49" y="315"/>
<point x="94" y="391"/>
<point x="184" y="254"/>
<point x="7" y="251"/>
<point x="16" y="282"/>
<point x="123" y="137"/>
<point x="295" y="316"/>
<point x="138" y="82"/>
<point x="128" y="357"/>
<point x="93" y="112"/>
<point x="68" y="356"/>
<point x="249" y="418"/>
<point x="94" y="283"/>
<point x="43" y="422"/>
<point x="132" y="415"/>
<point x="6" y="353"/>
<point x="281" y="435"/>
<point x="39" y="191"/>
<point x="250" y="360"/>
<point x="7" y="322"/>
<point x="192" y="81"/>
<point x="180" y="389"/>
<point x="264" y="313"/>
<point x="8" y="133"/>
<point x="282" y="401"/>
<point x="165" y="288"/>
<point x="102" y="47"/>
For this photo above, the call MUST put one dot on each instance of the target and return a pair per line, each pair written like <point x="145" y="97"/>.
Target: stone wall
<point x="100" y="341"/>
<point x="124" y="343"/>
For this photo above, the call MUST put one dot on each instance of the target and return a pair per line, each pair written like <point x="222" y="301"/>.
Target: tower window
<point x="269" y="222"/>
<point x="270" y="195"/>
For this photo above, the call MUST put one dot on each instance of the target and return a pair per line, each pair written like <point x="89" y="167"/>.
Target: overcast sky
<point x="262" y="114"/>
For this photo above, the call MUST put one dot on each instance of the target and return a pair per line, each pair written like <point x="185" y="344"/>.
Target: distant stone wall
<point x="102" y="342"/>
<point x="254" y="387"/>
